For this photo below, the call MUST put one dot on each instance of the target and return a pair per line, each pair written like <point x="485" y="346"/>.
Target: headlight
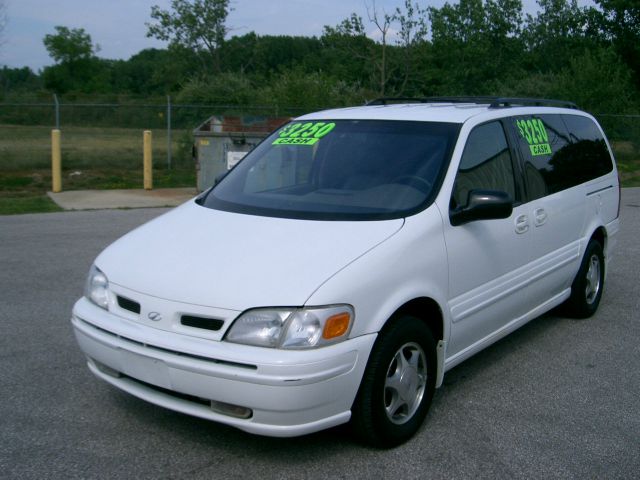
<point x="97" y="287"/>
<point x="292" y="328"/>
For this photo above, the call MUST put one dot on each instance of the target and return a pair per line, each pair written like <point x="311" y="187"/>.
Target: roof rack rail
<point x="525" y="101"/>
<point x="493" y="102"/>
<point x="388" y="100"/>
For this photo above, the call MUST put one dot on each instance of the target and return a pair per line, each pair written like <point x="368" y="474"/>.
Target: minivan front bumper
<point x="288" y="393"/>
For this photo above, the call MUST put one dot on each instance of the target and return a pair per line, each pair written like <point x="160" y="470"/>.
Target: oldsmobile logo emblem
<point x="154" y="316"/>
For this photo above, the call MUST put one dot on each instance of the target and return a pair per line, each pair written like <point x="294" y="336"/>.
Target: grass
<point x="628" y="160"/>
<point x="93" y="158"/>
<point x="13" y="205"/>
<point x="24" y="191"/>
<point x="29" y="147"/>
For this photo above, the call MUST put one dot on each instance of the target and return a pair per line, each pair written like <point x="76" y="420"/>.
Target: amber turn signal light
<point x="336" y="326"/>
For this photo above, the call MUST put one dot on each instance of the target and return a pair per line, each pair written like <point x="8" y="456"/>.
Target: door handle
<point x="522" y="223"/>
<point x="540" y="216"/>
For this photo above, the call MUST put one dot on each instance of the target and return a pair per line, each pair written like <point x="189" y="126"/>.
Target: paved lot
<point x="557" y="399"/>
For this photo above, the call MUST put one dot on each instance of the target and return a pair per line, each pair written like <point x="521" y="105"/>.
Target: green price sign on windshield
<point x="300" y="133"/>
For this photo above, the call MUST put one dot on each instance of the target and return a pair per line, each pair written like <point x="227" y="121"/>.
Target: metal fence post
<point x="169" y="132"/>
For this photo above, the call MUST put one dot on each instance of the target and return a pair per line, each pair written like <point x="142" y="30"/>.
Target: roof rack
<point x="493" y="102"/>
<point x="389" y="100"/>
<point x="538" y="102"/>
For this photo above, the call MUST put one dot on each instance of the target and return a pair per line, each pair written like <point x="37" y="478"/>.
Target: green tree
<point x="198" y="25"/>
<point x="152" y="71"/>
<point x="18" y="80"/>
<point x="319" y="91"/>
<point x="348" y="53"/>
<point x="70" y="45"/>
<point x="556" y="34"/>
<point x="239" y="53"/>
<point x="232" y="89"/>
<point x="77" y="67"/>
<point x="619" y="23"/>
<point x="264" y="56"/>
<point x="476" y="45"/>
<point x="386" y="65"/>
<point x="598" y="81"/>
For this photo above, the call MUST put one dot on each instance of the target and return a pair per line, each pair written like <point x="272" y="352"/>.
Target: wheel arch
<point x="427" y="310"/>
<point x="370" y="422"/>
<point x="600" y="235"/>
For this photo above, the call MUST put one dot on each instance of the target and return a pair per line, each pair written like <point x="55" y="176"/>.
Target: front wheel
<point x="398" y="384"/>
<point x="586" y="290"/>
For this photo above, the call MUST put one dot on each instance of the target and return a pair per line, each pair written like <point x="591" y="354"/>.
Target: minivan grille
<point x="128" y="304"/>
<point x="202" y="322"/>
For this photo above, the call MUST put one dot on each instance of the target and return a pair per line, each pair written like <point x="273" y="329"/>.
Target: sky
<point x="118" y="26"/>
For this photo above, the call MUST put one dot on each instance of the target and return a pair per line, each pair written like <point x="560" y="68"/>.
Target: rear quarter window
<point x="589" y="153"/>
<point x="559" y="152"/>
<point x="543" y="141"/>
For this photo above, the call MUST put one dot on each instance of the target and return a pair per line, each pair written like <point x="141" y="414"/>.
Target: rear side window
<point x="542" y="139"/>
<point x="485" y="165"/>
<point x="560" y="152"/>
<point x="589" y="150"/>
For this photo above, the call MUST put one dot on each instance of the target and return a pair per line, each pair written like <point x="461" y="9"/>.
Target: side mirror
<point x="483" y="205"/>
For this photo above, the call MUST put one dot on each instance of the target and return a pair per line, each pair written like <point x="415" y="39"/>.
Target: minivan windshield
<point x="339" y="170"/>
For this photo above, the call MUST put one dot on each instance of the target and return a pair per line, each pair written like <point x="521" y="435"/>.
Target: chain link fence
<point x="623" y="132"/>
<point x="106" y="131"/>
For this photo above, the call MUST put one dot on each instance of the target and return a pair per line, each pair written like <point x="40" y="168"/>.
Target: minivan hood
<point x="228" y="260"/>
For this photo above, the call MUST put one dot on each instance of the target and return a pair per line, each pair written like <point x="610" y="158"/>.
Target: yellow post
<point x="56" y="162"/>
<point x="148" y="161"/>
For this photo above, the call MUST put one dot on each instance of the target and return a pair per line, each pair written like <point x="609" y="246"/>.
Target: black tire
<point x="587" y="287"/>
<point x="387" y="412"/>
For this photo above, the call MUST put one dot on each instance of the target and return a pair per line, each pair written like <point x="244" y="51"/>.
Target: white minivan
<point x="351" y="259"/>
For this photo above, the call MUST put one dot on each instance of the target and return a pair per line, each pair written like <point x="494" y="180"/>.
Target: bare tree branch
<point x="382" y="23"/>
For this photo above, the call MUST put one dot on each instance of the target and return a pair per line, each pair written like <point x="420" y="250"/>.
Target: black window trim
<point x="518" y="170"/>
<point x="226" y="206"/>
<point x="510" y="124"/>
<point x="515" y="165"/>
<point x="514" y="140"/>
<point x="600" y="131"/>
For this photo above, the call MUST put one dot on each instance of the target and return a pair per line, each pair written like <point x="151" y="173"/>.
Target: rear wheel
<point x="586" y="290"/>
<point x="398" y="385"/>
